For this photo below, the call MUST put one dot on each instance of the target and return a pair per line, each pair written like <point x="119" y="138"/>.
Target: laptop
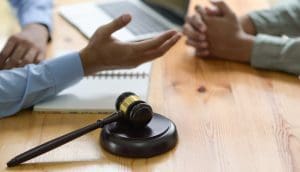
<point x="149" y="17"/>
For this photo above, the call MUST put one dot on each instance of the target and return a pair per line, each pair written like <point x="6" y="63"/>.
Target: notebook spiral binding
<point x="118" y="75"/>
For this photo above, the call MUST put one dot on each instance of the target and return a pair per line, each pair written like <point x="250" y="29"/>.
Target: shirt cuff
<point x="264" y="20"/>
<point x="269" y="53"/>
<point x="66" y="70"/>
<point x="37" y="17"/>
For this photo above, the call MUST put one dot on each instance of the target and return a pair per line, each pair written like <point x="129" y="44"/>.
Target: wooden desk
<point x="245" y="120"/>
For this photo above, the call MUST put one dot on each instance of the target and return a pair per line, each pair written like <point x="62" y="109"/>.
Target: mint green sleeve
<point x="276" y="53"/>
<point x="282" y="19"/>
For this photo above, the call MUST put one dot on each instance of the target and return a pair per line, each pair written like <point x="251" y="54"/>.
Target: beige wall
<point x="272" y="1"/>
<point x="8" y="21"/>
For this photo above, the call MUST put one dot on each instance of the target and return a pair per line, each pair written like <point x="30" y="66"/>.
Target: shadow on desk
<point x="59" y="165"/>
<point x="230" y="74"/>
<point x="137" y="164"/>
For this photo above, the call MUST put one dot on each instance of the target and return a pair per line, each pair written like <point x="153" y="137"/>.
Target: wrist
<point x="248" y="25"/>
<point x="39" y="29"/>
<point x="246" y="42"/>
<point x="89" y="63"/>
<point x="84" y="57"/>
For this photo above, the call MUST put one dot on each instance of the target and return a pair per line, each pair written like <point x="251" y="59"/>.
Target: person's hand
<point x="26" y="47"/>
<point x="104" y="52"/>
<point x="247" y="24"/>
<point x="220" y="16"/>
<point x="225" y="35"/>
<point x="195" y="30"/>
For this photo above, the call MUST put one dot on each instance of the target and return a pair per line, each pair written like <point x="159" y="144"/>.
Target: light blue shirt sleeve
<point x="23" y="87"/>
<point x="34" y="11"/>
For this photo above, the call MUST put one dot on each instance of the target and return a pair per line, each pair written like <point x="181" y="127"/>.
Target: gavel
<point x="130" y="109"/>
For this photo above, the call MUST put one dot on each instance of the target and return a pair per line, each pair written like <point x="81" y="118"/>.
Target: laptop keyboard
<point x="142" y="23"/>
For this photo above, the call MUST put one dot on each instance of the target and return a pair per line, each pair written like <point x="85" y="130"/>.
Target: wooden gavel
<point x="130" y="109"/>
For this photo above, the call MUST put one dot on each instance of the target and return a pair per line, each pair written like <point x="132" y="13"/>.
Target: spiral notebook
<point x="98" y="93"/>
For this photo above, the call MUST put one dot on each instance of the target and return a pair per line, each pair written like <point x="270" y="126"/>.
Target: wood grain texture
<point x="242" y="120"/>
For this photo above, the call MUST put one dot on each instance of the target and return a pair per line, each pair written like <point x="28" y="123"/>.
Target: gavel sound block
<point x="157" y="137"/>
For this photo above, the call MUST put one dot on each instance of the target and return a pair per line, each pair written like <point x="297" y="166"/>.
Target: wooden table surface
<point x="244" y="120"/>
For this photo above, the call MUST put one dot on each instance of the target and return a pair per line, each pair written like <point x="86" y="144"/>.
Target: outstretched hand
<point x="104" y="52"/>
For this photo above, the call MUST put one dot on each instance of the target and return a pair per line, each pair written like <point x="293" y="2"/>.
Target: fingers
<point x="29" y="57"/>
<point x="197" y="45"/>
<point x="115" y="25"/>
<point x="202" y="53"/>
<point x="201" y="11"/>
<point x="201" y="47"/>
<point x="213" y="11"/>
<point x="222" y="6"/>
<point x="18" y="52"/>
<point x="7" y="51"/>
<point x="197" y="22"/>
<point x="154" y="42"/>
<point x="40" y="57"/>
<point x="16" y="58"/>
<point x="191" y="33"/>
<point x="157" y="52"/>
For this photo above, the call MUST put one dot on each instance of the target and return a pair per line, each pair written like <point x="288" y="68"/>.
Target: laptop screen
<point x="177" y="8"/>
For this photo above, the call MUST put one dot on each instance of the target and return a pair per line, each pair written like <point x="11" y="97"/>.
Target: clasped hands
<point x="216" y="32"/>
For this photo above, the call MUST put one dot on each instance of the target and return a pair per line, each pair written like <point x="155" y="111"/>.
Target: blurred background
<point x="9" y="23"/>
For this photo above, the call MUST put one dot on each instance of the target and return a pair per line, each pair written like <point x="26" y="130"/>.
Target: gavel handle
<point x="52" y="144"/>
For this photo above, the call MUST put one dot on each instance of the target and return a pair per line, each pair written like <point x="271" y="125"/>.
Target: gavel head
<point x="135" y="111"/>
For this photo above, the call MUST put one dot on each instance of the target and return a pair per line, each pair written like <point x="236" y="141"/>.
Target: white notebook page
<point x="96" y="94"/>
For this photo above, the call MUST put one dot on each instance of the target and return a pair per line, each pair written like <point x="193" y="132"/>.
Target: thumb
<point x="116" y="24"/>
<point x="222" y="6"/>
<point x="213" y="11"/>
